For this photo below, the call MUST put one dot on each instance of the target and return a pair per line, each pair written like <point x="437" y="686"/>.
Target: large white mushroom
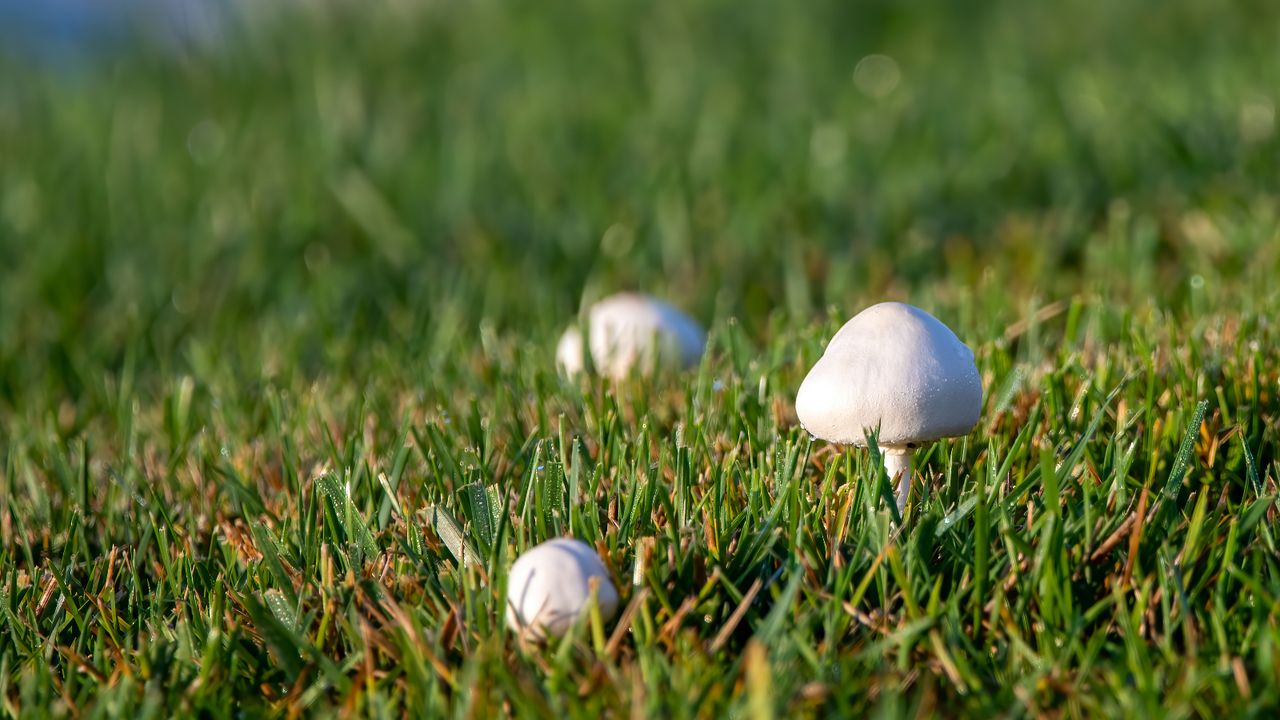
<point x="629" y="332"/>
<point x="897" y="368"/>
<point x="549" y="587"/>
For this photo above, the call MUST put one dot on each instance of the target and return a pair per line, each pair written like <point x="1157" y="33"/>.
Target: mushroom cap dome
<point x="895" y="367"/>
<point x="550" y="584"/>
<point x="632" y="331"/>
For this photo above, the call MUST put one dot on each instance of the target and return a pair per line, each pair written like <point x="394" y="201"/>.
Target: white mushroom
<point x="550" y="586"/>
<point x="897" y="368"/>
<point x="629" y="332"/>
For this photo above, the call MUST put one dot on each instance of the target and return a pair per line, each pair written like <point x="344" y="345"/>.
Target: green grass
<point x="277" y="327"/>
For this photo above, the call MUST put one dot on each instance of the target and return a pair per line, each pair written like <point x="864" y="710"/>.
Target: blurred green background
<point x="323" y="182"/>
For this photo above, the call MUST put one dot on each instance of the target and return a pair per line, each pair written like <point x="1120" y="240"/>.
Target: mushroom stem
<point x="897" y="462"/>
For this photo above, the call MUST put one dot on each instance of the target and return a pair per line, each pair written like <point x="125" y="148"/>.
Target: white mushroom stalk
<point x="629" y="332"/>
<point x="898" y="465"/>
<point x="895" y="368"/>
<point x="550" y="586"/>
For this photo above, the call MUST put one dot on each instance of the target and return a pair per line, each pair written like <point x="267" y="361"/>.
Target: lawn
<point x="279" y="406"/>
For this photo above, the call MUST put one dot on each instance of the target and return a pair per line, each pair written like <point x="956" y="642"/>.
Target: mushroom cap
<point x="895" y="367"/>
<point x="549" y="587"/>
<point x="632" y="331"/>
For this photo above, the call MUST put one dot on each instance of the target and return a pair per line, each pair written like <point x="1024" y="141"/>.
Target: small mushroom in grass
<point x="897" y="368"/>
<point x="629" y="332"/>
<point x="550" y="587"/>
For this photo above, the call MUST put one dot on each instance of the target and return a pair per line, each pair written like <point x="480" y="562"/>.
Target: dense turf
<point x="278" y="409"/>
